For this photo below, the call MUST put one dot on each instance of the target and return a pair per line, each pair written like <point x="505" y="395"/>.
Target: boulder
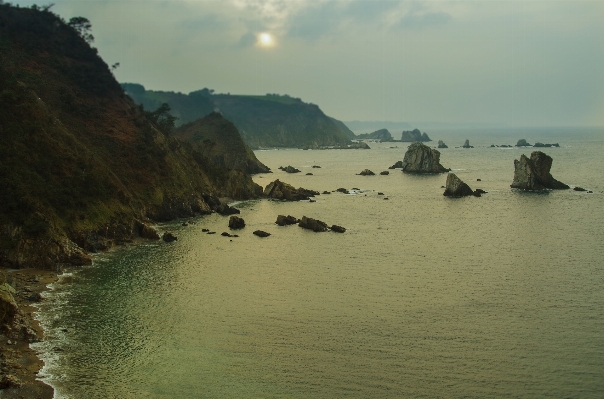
<point x="522" y="143"/>
<point x="455" y="187"/>
<point x="384" y="173"/>
<point x="343" y="190"/>
<point x="291" y="169"/>
<point x="312" y="224"/>
<point x="534" y="173"/>
<point x="235" y="223"/>
<point x="466" y="144"/>
<point x="316" y="167"/>
<point x="367" y="172"/>
<point x="8" y="306"/>
<point x="283" y="220"/>
<point x="441" y="144"/>
<point x="398" y="164"/>
<point x="145" y="231"/>
<point x="227" y="210"/>
<point x="283" y="191"/>
<point x="338" y="229"/>
<point x="579" y="189"/>
<point x="420" y="158"/>
<point x="169" y="237"/>
<point x="261" y="233"/>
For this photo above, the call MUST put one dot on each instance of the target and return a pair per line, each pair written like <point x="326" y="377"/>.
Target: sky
<point x="510" y="63"/>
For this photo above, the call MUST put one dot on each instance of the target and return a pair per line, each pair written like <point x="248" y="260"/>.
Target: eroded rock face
<point x="534" y="173"/>
<point x="420" y="158"/>
<point x="313" y="224"/>
<point x="283" y="191"/>
<point x="455" y="187"/>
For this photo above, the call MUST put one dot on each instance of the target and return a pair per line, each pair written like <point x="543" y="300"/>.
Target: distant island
<point x="381" y="134"/>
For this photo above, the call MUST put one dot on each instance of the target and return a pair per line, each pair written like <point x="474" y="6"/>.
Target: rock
<point x="211" y="232"/>
<point x="546" y="145"/>
<point x="522" y="143"/>
<point x="398" y="164"/>
<point x="235" y="222"/>
<point x="283" y="191"/>
<point x="534" y="173"/>
<point x="283" y="220"/>
<point x="380" y="193"/>
<point x="455" y="187"/>
<point x="382" y="135"/>
<point x="185" y="224"/>
<point x="8" y="306"/>
<point x="309" y="174"/>
<point x="312" y="224"/>
<point x="478" y="179"/>
<point x="420" y="158"/>
<point x="386" y="198"/>
<point x="35" y="297"/>
<point x="343" y="190"/>
<point x="579" y="189"/>
<point x="326" y="192"/>
<point x="227" y="210"/>
<point x="441" y="144"/>
<point x="384" y="173"/>
<point x="169" y="237"/>
<point x="145" y="231"/>
<point x="261" y="233"/>
<point x="366" y="172"/>
<point x="466" y="144"/>
<point x="10" y="381"/>
<point x="478" y="192"/>
<point x="414" y="135"/>
<point x="316" y="167"/>
<point x="291" y="169"/>
<point x="205" y="230"/>
<point x="338" y="229"/>
<point x="226" y="234"/>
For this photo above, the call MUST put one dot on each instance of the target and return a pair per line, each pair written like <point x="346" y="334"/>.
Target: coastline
<point x="19" y="363"/>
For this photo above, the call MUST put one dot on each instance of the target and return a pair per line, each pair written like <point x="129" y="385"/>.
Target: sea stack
<point x="420" y="158"/>
<point x="533" y="173"/>
<point x="455" y="187"/>
<point x="283" y="191"/>
<point x="441" y="144"/>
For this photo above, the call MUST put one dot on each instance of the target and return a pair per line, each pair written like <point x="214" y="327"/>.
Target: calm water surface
<point x="423" y="297"/>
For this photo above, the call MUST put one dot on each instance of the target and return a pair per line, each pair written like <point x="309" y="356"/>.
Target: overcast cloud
<point x="520" y="63"/>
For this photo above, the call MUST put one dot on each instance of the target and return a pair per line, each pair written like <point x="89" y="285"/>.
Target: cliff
<point x="218" y="140"/>
<point x="81" y="166"/>
<point x="534" y="173"/>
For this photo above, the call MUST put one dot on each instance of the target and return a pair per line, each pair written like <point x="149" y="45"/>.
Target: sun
<point x="265" y="40"/>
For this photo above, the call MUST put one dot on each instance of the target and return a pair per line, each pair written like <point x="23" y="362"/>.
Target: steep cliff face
<point x="218" y="140"/>
<point x="420" y="158"/>
<point x="534" y="173"/>
<point x="78" y="159"/>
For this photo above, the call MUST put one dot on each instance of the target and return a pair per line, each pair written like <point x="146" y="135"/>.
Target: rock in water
<point x="441" y="144"/>
<point x="338" y="229"/>
<point x="169" y="237"/>
<point x="283" y="191"/>
<point x="283" y="220"/>
<point x="522" y="143"/>
<point x="235" y="222"/>
<point x="455" y="187"/>
<point x="466" y="144"/>
<point x="420" y="158"/>
<point x="261" y="233"/>
<point x="291" y="169"/>
<point x="312" y="224"/>
<point x="414" y="135"/>
<point x="397" y="164"/>
<point x="384" y="173"/>
<point x="367" y="172"/>
<point x="533" y="173"/>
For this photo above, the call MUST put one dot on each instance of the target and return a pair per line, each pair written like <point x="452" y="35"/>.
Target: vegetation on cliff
<point x="80" y="163"/>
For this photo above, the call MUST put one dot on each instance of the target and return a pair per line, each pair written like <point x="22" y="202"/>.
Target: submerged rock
<point x="455" y="187"/>
<point x="546" y="145"/>
<point x="312" y="224"/>
<point x="291" y="169"/>
<point x="283" y="191"/>
<point x="235" y="223"/>
<point x="579" y="189"/>
<point x="420" y="158"/>
<point x="534" y="173"/>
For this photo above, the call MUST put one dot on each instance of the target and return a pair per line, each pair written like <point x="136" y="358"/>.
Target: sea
<point x="423" y="296"/>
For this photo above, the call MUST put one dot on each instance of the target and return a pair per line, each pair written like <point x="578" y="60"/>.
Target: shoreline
<point x="19" y="363"/>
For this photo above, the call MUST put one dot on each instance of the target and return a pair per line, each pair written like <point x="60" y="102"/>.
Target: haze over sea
<point x="422" y="297"/>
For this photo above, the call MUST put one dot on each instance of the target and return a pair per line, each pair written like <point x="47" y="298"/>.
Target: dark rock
<point x="386" y="198"/>
<point x="10" y="381"/>
<point x="384" y="173"/>
<point x="316" y="167"/>
<point x="326" y="192"/>
<point x="522" y="143"/>
<point x="546" y="145"/>
<point x="342" y="190"/>
<point x="414" y="135"/>
<point x="185" y="224"/>
<point x="261" y="233"/>
<point x="466" y="144"/>
<point x="35" y="297"/>
<point x="420" y="158"/>
<point x="309" y="174"/>
<point x="169" y="237"/>
<point x="338" y="229"/>
<point x="145" y="231"/>
<point x="534" y="173"/>
<point x="283" y="191"/>
<point x="480" y="191"/>
<point x="225" y="234"/>
<point x="455" y="187"/>
<point x="398" y="164"/>
<point x="291" y="169"/>
<point x="283" y="220"/>
<point x="382" y="135"/>
<point x="235" y="222"/>
<point x="441" y="144"/>
<point x="227" y="210"/>
<point x="366" y="172"/>
<point x="312" y="224"/>
<point x="205" y="230"/>
<point x="478" y="179"/>
<point x="380" y="193"/>
<point x="579" y="189"/>
<point x="211" y="232"/>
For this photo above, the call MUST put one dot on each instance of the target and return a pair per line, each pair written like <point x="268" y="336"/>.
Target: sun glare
<point x="265" y="40"/>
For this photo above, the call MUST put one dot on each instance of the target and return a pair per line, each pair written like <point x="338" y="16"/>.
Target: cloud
<point x="247" y="40"/>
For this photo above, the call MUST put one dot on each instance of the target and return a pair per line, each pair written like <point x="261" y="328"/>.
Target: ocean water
<point x="423" y="297"/>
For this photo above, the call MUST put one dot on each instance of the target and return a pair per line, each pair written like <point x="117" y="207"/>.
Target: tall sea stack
<point x="533" y="173"/>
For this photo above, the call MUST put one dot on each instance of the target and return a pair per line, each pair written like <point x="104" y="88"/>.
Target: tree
<point x="162" y="118"/>
<point x="82" y="26"/>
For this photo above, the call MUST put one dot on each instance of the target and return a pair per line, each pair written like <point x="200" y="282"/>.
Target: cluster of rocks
<point x="289" y="169"/>
<point x="279" y="190"/>
<point x="455" y="187"/>
<point x="308" y="223"/>
<point x="501" y="146"/>
<point x="414" y="135"/>
<point x="524" y="143"/>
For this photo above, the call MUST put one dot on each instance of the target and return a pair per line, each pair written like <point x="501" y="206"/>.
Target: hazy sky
<point x="520" y="63"/>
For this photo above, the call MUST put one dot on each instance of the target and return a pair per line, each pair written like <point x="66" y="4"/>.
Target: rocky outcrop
<point x="384" y="173"/>
<point x="366" y="172"/>
<point x="283" y="191"/>
<point x="538" y="145"/>
<point x="420" y="158"/>
<point x="455" y="187"/>
<point x="522" y="143"/>
<point x="169" y="237"/>
<point x="283" y="220"/>
<point x="466" y="144"/>
<point x="147" y="232"/>
<point x="289" y="169"/>
<point x="313" y="224"/>
<point x="261" y="233"/>
<point x="441" y="144"/>
<point x="414" y="135"/>
<point x="338" y="229"/>
<point x="397" y="164"/>
<point x="235" y="223"/>
<point x="382" y="135"/>
<point x="534" y="173"/>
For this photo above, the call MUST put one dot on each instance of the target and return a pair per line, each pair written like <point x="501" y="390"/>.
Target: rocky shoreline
<point x="19" y="363"/>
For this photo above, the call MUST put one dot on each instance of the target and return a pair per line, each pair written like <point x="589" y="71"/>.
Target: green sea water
<point x="423" y="297"/>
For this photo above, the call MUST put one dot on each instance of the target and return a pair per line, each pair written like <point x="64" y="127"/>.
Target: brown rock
<point x="235" y="222"/>
<point x="312" y="224"/>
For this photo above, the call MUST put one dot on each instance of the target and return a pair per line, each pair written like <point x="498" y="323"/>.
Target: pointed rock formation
<point x="533" y="173"/>
<point x="414" y="135"/>
<point x="455" y="187"/>
<point x="420" y="158"/>
<point x="441" y="144"/>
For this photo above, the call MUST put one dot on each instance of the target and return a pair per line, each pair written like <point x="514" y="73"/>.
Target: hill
<point x="382" y="135"/>
<point x="81" y="166"/>
<point x="263" y="121"/>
